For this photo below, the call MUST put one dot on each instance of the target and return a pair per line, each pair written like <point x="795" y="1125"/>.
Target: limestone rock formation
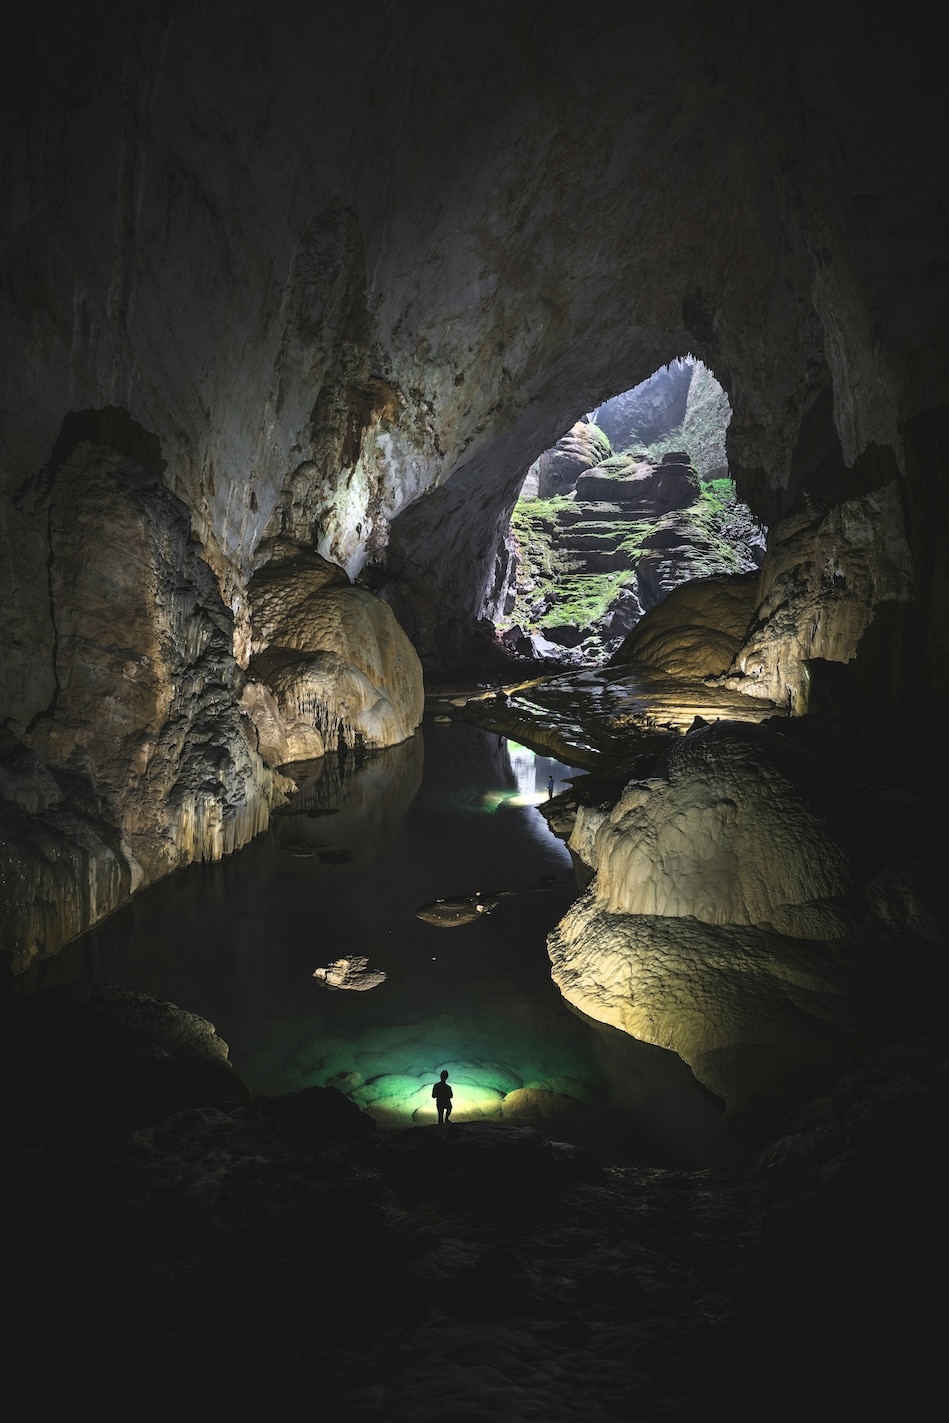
<point x="829" y="576"/>
<point x="642" y="519"/>
<point x="635" y="481"/>
<point x="556" y="470"/>
<point x="335" y="667"/>
<point x="697" y="629"/>
<point x="351" y="973"/>
<point x="350" y="315"/>
<point x="730" y="917"/>
<point x="139" y="761"/>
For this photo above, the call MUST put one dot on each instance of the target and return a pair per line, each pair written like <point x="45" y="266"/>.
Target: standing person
<point x="550" y="787"/>
<point x="443" y="1095"/>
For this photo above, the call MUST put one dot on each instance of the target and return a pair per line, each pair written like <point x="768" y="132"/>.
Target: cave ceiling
<point x="354" y="268"/>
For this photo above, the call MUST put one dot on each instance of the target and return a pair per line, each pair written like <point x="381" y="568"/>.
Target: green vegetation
<point x="574" y="559"/>
<point x="583" y="600"/>
<point x="702" y="431"/>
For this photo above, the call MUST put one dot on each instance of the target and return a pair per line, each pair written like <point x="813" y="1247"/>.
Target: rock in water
<point x="463" y="909"/>
<point x="350" y="973"/>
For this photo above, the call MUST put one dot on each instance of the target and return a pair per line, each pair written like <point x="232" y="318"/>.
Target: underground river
<point x="342" y="874"/>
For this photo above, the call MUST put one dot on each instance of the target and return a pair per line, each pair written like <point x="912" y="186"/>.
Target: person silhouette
<point x="443" y="1095"/>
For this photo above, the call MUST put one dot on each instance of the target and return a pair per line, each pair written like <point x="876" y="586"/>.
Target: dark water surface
<point x="449" y="813"/>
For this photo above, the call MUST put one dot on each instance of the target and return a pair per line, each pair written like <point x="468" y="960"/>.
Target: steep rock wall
<point x="140" y="762"/>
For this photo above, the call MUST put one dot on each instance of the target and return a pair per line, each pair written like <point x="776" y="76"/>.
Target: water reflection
<point x="342" y="874"/>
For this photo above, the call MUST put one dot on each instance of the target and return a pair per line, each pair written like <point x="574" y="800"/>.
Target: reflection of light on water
<point x="523" y="764"/>
<point x="531" y="773"/>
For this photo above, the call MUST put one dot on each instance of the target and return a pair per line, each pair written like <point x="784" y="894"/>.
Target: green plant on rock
<point x="583" y="600"/>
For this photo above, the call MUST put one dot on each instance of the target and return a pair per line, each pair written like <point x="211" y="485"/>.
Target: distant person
<point x="550" y="787"/>
<point x="443" y="1095"/>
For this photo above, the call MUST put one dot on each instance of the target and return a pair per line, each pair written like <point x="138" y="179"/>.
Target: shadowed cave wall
<point x="292" y="295"/>
<point x="283" y="284"/>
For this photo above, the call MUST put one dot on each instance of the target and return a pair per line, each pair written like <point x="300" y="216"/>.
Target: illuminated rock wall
<point x="342" y="671"/>
<point x="736" y="916"/>
<point x="152" y="764"/>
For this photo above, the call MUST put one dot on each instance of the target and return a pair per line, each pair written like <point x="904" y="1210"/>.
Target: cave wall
<point x="344" y="272"/>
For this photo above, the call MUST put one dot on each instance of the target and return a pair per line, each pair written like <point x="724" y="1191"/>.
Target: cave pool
<point x="451" y="812"/>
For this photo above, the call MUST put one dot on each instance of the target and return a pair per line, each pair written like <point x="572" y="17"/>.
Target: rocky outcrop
<point x="557" y="469"/>
<point x="732" y="917"/>
<point x="827" y="577"/>
<point x="141" y="761"/>
<point x="330" y="667"/>
<point x="697" y="629"/>
<point x="643" y="519"/>
<point x="641" y="485"/>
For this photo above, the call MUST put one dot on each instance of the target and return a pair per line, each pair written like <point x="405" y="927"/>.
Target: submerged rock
<point x="463" y="909"/>
<point x="353" y="973"/>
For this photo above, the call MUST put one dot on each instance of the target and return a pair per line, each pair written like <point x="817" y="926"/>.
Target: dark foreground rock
<point x="280" y="1259"/>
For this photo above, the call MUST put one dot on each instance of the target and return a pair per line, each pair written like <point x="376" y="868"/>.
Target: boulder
<point x="731" y="915"/>
<point x="696" y="630"/>
<point x="557" y="469"/>
<point x="337" y="668"/>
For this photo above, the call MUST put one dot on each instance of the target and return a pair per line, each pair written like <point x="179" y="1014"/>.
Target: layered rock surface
<point x="642" y="519"/>
<point x="738" y="918"/>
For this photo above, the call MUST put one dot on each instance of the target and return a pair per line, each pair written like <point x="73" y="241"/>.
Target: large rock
<point x="557" y="469"/>
<point x="827" y="577"/>
<point x="696" y="630"/>
<point x="731" y="917"/>
<point x="654" y="488"/>
<point x="741" y="829"/>
<point x="338" y="668"/>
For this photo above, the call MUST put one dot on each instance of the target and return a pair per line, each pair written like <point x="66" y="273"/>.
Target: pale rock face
<point x="697" y="629"/>
<point x="738" y="834"/>
<point x="720" y="920"/>
<point x="280" y="738"/>
<point x="336" y="668"/>
<point x="825" y="576"/>
<point x="143" y="739"/>
<point x="751" y="1012"/>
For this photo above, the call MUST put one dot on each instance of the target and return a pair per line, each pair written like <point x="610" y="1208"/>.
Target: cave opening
<point x="635" y="498"/>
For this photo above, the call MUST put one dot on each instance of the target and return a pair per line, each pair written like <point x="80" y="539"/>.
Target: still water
<point x="342" y="874"/>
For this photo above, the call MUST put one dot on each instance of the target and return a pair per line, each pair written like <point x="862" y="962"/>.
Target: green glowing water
<point x="238" y="942"/>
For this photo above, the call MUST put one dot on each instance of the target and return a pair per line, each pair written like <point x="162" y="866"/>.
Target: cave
<point x="634" y="499"/>
<point x="293" y="298"/>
